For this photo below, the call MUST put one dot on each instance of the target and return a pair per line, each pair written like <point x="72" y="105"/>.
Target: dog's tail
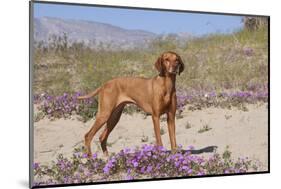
<point x="94" y="93"/>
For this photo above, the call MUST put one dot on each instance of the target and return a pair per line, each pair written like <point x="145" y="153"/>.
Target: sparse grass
<point x="222" y="70"/>
<point x="227" y="153"/>
<point x="38" y="116"/>
<point x="163" y="118"/>
<point x="205" y="128"/>
<point x="227" y="117"/>
<point x="187" y="125"/>
<point x="109" y="144"/>
<point x="162" y="131"/>
<point x="222" y="61"/>
<point x="216" y="62"/>
<point x="131" y="109"/>
<point x="144" y="138"/>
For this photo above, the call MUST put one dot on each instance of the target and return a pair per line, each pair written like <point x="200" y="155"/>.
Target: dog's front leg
<point x="156" y="123"/>
<point x="172" y="129"/>
<point x="171" y="114"/>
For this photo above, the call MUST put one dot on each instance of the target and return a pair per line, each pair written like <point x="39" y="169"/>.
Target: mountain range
<point x="94" y="33"/>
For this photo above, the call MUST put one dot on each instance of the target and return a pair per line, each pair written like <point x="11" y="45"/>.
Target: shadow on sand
<point x="208" y="149"/>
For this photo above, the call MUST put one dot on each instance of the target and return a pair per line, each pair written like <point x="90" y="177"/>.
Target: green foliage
<point x="87" y="111"/>
<point x="254" y="23"/>
<point x="214" y="62"/>
<point x="222" y="61"/>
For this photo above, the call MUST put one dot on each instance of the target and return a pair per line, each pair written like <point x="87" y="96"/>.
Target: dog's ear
<point x="159" y="64"/>
<point x="181" y="66"/>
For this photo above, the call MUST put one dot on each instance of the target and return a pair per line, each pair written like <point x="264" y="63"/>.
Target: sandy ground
<point x="246" y="133"/>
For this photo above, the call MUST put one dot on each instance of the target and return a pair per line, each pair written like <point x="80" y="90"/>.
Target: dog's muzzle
<point x="176" y="71"/>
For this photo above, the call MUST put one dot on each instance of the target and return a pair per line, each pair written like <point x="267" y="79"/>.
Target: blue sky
<point x="160" y="22"/>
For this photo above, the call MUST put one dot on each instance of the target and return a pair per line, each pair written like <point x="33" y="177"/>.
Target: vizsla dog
<point x="155" y="96"/>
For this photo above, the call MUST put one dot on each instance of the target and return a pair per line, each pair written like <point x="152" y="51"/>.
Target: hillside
<point x="89" y="32"/>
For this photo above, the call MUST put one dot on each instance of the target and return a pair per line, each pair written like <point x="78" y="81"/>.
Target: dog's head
<point x="169" y="63"/>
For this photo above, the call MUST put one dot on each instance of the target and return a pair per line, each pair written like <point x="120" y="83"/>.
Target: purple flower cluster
<point x="65" y="105"/>
<point x="248" y="96"/>
<point x="248" y="51"/>
<point x="148" y="161"/>
<point x="201" y="99"/>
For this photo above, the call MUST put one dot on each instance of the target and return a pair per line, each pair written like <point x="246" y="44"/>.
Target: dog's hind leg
<point x="111" y="123"/>
<point x="100" y="121"/>
<point x="107" y="103"/>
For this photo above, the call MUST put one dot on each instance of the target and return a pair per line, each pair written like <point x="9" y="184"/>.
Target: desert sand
<point x="245" y="132"/>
